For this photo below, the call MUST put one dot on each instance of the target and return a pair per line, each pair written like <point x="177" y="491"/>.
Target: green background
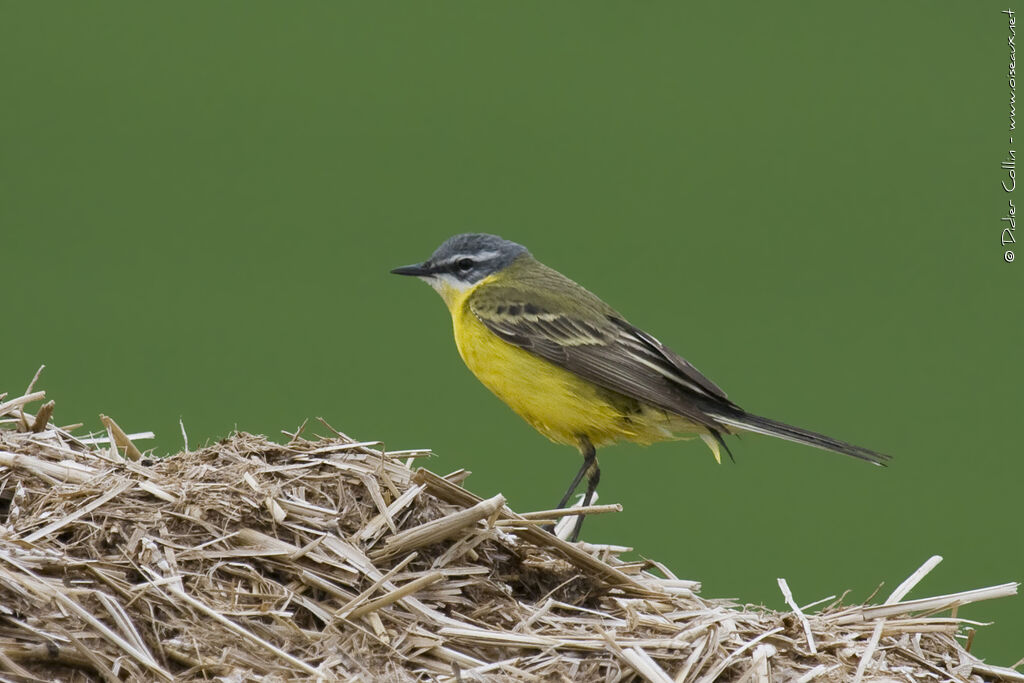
<point x="199" y="204"/>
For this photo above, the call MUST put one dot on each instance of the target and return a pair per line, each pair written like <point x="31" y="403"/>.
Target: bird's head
<point x="463" y="261"/>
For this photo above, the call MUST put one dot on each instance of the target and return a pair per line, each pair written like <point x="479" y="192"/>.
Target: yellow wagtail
<point x="573" y="368"/>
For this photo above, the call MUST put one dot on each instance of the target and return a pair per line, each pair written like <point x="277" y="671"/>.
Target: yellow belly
<point x="559" y="404"/>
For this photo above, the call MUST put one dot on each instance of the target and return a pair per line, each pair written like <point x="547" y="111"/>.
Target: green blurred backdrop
<point x="199" y="204"/>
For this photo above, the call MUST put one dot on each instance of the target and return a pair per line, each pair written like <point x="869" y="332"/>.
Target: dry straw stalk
<point x="331" y="559"/>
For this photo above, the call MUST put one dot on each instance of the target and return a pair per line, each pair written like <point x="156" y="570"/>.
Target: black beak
<point x="416" y="270"/>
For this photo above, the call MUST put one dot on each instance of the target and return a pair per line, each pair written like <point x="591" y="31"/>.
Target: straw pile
<point x="331" y="559"/>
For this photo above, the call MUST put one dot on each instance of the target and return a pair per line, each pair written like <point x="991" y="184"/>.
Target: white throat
<point x="446" y="281"/>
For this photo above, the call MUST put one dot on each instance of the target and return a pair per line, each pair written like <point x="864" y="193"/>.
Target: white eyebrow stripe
<point x="478" y="255"/>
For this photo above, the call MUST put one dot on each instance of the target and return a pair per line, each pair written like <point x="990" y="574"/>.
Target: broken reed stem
<point x="121" y="440"/>
<point x="787" y="595"/>
<point x="639" y="660"/>
<point x="359" y="599"/>
<point x="565" y="512"/>
<point x="938" y="603"/>
<point x="439" y="529"/>
<point x="397" y="594"/>
<point x="43" y="416"/>
<point x="17" y="403"/>
<point x="67" y="472"/>
<point x="897" y="595"/>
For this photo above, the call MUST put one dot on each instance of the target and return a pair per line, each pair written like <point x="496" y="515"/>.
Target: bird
<point x="574" y="368"/>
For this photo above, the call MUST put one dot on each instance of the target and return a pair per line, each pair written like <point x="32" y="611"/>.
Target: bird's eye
<point x="464" y="264"/>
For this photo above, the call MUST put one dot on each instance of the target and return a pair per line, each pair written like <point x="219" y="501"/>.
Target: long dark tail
<point x="762" y="425"/>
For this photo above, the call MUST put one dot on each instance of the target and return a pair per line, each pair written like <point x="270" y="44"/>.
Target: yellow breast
<point x="559" y="404"/>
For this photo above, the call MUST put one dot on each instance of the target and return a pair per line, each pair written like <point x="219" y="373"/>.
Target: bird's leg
<point x="593" y="477"/>
<point x="593" y="474"/>
<point x="575" y="482"/>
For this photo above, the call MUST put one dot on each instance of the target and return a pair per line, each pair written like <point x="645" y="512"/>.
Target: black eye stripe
<point x="463" y="264"/>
